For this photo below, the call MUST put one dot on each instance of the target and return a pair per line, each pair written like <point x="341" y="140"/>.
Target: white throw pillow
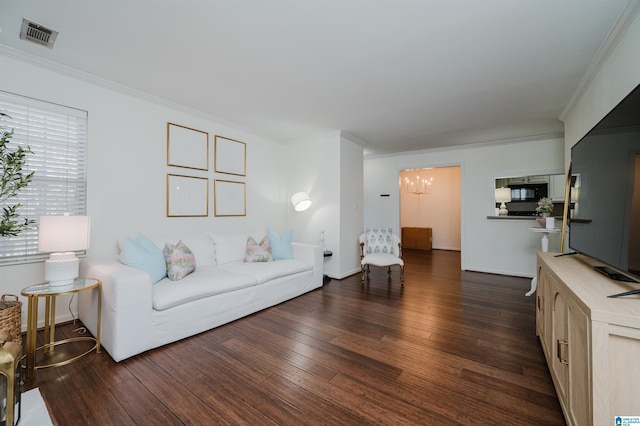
<point x="232" y="247"/>
<point x="202" y="247"/>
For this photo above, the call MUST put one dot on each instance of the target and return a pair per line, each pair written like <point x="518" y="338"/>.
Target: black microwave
<point x="528" y="191"/>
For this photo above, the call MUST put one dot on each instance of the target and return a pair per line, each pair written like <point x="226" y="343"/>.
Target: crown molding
<point x="604" y="52"/>
<point x="353" y="138"/>
<point x="77" y="74"/>
<point x="472" y="145"/>
<point x="120" y="88"/>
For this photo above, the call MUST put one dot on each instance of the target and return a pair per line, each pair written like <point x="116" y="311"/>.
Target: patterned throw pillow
<point x="258" y="252"/>
<point x="379" y="241"/>
<point x="180" y="260"/>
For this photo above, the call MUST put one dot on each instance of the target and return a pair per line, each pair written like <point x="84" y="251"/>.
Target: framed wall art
<point x="230" y="198"/>
<point x="187" y="196"/>
<point x="230" y="156"/>
<point x="187" y="147"/>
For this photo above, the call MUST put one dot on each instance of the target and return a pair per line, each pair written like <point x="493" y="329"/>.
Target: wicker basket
<point x="11" y="317"/>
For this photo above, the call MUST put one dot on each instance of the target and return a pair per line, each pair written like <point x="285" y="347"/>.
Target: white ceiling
<point x="400" y="75"/>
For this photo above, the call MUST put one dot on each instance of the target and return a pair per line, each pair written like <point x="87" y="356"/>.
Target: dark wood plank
<point x="450" y="347"/>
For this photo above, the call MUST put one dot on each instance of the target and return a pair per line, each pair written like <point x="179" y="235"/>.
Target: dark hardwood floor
<point x="451" y="347"/>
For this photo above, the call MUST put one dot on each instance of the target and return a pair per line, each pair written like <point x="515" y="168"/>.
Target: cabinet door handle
<point x="562" y="349"/>
<point x="541" y="304"/>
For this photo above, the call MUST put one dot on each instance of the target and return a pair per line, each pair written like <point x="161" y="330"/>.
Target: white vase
<point x="550" y="222"/>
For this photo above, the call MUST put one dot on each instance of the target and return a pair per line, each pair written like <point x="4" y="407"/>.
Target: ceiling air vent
<point x="37" y="33"/>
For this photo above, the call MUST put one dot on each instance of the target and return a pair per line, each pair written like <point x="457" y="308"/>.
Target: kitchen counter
<point x="507" y="217"/>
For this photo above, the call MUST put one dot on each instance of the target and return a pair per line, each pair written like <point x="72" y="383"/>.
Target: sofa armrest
<point x="312" y="254"/>
<point x="127" y="304"/>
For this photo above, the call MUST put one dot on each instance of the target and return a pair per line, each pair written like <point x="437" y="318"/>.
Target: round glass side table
<point x="49" y="293"/>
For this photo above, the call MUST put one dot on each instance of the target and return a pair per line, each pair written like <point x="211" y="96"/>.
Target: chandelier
<point x="418" y="186"/>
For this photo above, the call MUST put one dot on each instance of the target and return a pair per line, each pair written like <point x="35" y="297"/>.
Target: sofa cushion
<point x="263" y="272"/>
<point x="142" y="254"/>
<point x="381" y="259"/>
<point x="281" y="245"/>
<point x="258" y="252"/>
<point x="231" y="247"/>
<point x="180" y="260"/>
<point x="204" y="282"/>
<point x="202" y="248"/>
<point x="200" y="245"/>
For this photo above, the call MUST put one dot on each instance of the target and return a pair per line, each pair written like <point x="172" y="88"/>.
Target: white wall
<point x="316" y="172"/>
<point x="616" y="77"/>
<point x="351" y="202"/>
<point x="439" y="210"/>
<point x="497" y="246"/>
<point x="127" y="166"/>
<point x="330" y="170"/>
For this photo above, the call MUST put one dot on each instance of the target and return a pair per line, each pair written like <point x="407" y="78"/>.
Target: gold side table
<point x="10" y="380"/>
<point x="33" y="293"/>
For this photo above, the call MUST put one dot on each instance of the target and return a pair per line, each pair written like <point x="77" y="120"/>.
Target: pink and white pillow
<point x="258" y="252"/>
<point x="180" y="260"/>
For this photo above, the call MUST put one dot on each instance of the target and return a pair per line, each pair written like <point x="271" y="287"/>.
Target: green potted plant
<point x="12" y="180"/>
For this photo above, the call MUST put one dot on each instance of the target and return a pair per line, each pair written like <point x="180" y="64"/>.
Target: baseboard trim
<point x="344" y="274"/>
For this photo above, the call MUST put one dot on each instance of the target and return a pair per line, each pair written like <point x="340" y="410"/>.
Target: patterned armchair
<point x="382" y="248"/>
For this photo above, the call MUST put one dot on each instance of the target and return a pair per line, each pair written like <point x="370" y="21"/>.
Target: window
<point x="57" y="136"/>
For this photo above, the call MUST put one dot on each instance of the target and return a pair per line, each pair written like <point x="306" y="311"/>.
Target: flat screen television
<point x="605" y="191"/>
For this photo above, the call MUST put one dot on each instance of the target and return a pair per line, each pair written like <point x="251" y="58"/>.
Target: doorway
<point x="430" y="198"/>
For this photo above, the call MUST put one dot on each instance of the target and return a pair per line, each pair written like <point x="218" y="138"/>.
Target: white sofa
<point x="138" y="315"/>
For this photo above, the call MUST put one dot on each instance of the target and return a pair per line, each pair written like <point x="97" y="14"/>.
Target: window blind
<point x="57" y="136"/>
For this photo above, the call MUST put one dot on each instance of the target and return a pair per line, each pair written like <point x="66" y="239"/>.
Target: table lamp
<point x="503" y="195"/>
<point x="61" y="236"/>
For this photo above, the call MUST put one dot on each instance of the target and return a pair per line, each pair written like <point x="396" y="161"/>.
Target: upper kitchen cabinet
<point x="528" y="179"/>
<point x="557" y="188"/>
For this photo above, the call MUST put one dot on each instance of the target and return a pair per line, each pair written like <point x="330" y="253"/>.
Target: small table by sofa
<point x="325" y="277"/>
<point x="33" y="293"/>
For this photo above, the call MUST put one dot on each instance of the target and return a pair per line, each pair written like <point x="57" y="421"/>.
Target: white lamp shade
<point x="63" y="233"/>
<point x="300" y="201"/>
<point x="503" y="195"/>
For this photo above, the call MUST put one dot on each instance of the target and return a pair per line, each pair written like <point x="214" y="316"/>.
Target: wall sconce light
<point x="61" y="236"/>
<point x="503" y="195"/>
<point x="300" y="201"/>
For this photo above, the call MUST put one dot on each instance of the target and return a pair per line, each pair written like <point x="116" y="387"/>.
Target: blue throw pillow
<point x="142" y="254"/>
<point x="281" y="247"/>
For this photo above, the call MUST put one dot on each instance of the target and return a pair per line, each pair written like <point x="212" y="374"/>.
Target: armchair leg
<point x="366" y="270"/>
